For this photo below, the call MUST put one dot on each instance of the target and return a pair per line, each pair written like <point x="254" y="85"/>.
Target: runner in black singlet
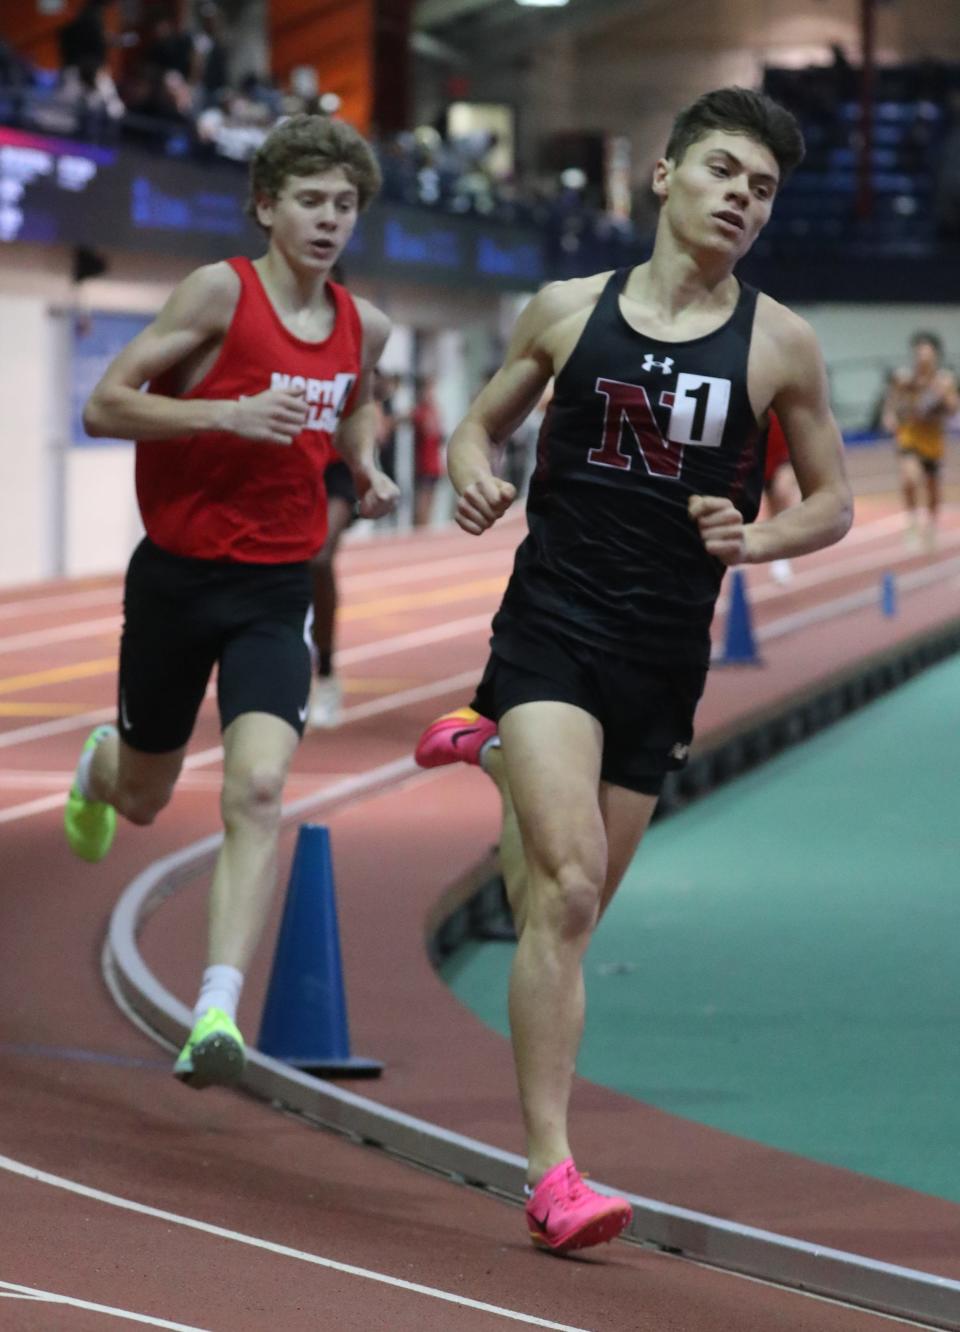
<point x="649" y="476"/>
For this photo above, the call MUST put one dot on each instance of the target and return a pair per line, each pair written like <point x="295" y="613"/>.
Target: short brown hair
<point x="740" y="111"/>
<point x="306" y="144"/>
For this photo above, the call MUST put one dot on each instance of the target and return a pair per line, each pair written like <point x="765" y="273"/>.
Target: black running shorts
<point x="184" y="616"/>
<point x="646" y="711"/>
<point x="930" y="465"/>
<point x="338" y="482"/>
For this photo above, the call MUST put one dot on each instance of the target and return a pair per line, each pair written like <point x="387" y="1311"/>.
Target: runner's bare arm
<point x="798" y="381"/>
<point x="198" y="311"/>
<point x="498" y="409"/>
<point x="949" y="396"/>
<point x="802" y="404"/>
<point x="356" y="439"/>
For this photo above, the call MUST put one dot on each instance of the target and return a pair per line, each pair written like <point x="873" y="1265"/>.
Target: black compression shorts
<point x="646" y="711"/>
<point x="930" y="465"/>
<point x="184" y="616"/>
<point x="338" y="480"/>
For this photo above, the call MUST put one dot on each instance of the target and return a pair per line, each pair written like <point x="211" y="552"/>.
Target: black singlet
<point x="636" y="427"/>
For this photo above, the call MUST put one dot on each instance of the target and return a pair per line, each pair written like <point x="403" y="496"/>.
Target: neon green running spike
<point x="90" y="825"/>
<point x="213" y="1054"/>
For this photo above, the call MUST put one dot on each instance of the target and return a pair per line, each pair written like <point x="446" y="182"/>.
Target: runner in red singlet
<point x="428" y="450"/>
<point x="252" y="370"/>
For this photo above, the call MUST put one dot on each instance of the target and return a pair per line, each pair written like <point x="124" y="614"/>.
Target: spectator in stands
<point x="162" y="89"/>
<point x="87" y="82"/>
<point x="209" y="54"/>
<point x="171" y="48"/>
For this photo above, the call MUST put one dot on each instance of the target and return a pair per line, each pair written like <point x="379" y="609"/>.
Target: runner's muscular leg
<point x="258" y="749"/>
<point x="552" y="753"/>
<point x="138" y="785"/>
<point x="626" y="815"/>
<point x="513" y="865"/>
<point x="932" y="479"/>
<point x="911" y="479"/>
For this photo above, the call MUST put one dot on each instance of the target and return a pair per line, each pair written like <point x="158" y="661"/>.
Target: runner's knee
<point x="568" y="899"/>
<point x="253" y="795"/>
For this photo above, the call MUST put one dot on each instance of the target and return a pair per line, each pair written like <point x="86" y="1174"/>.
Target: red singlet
<point x="428" y="440"/>
<point x="216" y="496"/>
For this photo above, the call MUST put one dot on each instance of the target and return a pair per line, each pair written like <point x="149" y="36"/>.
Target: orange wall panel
<point x="334" y="37"/>
<point x="32" y="34"/>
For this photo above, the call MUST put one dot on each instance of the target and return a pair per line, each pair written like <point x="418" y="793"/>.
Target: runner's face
<point x="312" y="218"/>
<point x="719" y="196"/>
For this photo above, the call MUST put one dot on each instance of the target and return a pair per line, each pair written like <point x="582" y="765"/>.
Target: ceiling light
<point x="543" y="4"/>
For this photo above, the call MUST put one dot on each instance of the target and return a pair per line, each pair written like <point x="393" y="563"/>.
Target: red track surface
<point x="86" y="1097"/>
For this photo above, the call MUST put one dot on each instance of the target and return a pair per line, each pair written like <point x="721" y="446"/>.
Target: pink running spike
<point x="563" y="1213"/>
<point x="456" y="737"/>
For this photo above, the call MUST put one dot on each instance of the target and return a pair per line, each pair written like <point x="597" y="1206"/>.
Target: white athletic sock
<point x="220" y="988"/>
<point x="492" y="743"/>
<point x="81" y="780"/>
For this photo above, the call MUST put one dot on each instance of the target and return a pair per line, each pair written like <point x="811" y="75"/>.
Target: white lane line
<point x="839" y="569"/>
<point x="417" y="573"/>
<point x="31" y="807"/>
<point x="870" y="596"/>
<point x="69" y="601"/>
<point x="375" y="707"/>
<point x="18" y="778"/>
<point x="12" y="1291"/>
<point x="414" y="639"/>
<point x="82" y="721"/>
<point x="61" y="633"/>
<point x="282" y="1250"/>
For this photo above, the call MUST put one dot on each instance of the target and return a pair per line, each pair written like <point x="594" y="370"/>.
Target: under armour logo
<point x="679" y="752"/>
<point x="650" y="362"/>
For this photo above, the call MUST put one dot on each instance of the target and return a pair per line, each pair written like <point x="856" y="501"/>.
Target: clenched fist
<point x="378" y="495"/>
<point x="483" y="502"/>
<point x="275" y="416"/>
<point x="721" y="527"/>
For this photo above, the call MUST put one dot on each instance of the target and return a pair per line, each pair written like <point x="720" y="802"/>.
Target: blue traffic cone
<point x="739" y="645"/>
<point x="304" y="1019"/>
<point x="888" y="595"/>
